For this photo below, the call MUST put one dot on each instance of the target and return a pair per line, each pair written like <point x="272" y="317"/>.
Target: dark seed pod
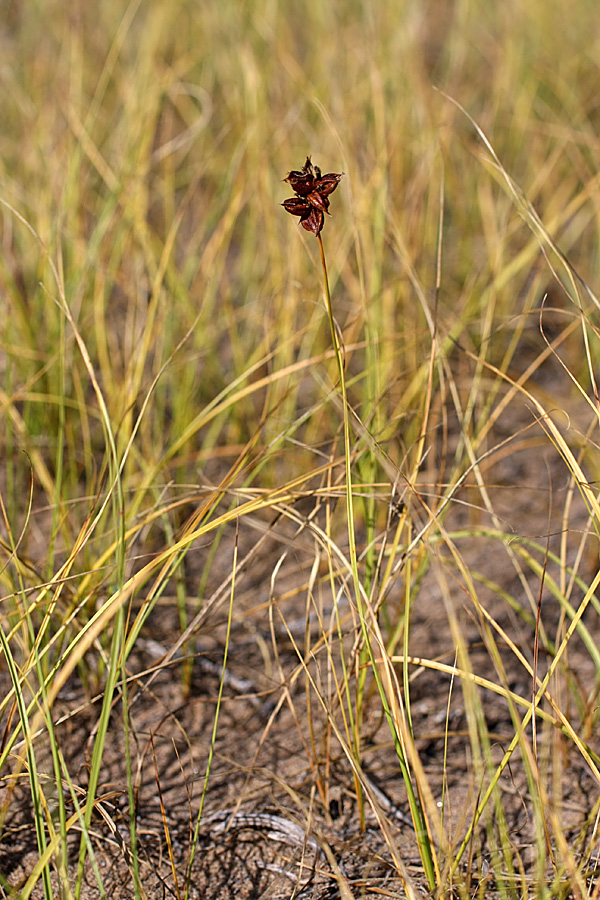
<point x="312" y="191"/>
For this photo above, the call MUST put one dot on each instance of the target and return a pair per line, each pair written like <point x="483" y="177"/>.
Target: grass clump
<point x="243" y="529"/>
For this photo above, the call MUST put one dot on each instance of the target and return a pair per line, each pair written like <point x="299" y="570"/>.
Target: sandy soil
<point x="267" y="830"/>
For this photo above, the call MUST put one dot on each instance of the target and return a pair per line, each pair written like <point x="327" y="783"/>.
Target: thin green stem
<point x="414" y="802"/>
<point x="337" y="345"/>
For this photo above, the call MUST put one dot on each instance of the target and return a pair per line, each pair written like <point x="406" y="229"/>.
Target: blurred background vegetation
<point x="146" y="145"/>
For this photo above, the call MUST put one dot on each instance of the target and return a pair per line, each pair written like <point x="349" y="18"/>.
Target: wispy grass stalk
<point x="37" y="798"/>
<point x="213" y="739"/>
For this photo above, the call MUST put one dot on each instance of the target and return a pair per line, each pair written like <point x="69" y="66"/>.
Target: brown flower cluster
<point x="312" y="195"/>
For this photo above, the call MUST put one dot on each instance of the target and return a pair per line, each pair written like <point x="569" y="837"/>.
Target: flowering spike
<point x="312" y="195"/>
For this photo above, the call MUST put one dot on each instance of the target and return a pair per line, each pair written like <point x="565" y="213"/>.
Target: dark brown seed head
<point x="312" y="191"/>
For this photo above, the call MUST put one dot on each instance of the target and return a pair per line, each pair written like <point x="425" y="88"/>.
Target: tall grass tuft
<point x="385" y="503"/>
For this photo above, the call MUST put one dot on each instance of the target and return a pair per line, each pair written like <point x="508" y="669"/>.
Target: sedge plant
<point x="311" y="203"/>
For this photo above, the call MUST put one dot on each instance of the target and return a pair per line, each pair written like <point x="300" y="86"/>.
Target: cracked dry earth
<point x="266" y="830"/>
